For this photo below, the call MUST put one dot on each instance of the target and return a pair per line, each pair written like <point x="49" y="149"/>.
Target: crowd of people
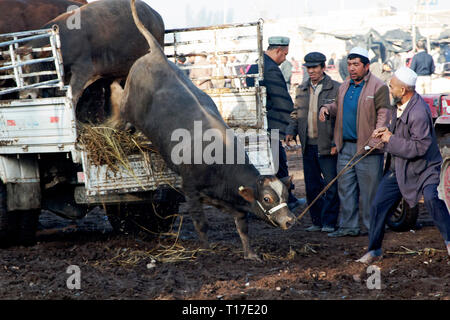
<point x="356" y="122"/>
<point x="376" y="112"/>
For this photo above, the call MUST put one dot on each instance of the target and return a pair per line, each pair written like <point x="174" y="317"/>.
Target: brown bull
<point x="24" y="15"/>
<point x="106" y="44"/>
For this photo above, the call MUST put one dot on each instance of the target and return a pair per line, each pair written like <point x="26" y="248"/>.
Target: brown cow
<point x="24" y="15"/>
<point x="107" y="43"/>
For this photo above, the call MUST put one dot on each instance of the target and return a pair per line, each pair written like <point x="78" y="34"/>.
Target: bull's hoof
<point x="252" y="256"/>
<point x="205" y="245"/>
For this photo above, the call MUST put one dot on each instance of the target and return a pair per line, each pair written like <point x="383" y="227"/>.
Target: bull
<point x="23" y="15"/>
<point x="159" y="99"/>
<point x="106" y="44"/>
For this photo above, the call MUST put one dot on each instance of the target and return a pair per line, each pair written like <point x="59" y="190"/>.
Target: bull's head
<point x="269" y="201"/>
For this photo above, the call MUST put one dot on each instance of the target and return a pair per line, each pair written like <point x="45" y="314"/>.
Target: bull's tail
<point x="147" y="35"/>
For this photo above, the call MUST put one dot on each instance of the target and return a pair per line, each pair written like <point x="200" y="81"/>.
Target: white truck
<point x="43" y="165"/>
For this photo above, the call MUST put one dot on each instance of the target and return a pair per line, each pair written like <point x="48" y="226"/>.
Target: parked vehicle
<point x="43" y="164"/>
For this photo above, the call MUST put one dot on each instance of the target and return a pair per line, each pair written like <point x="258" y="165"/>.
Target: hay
<point x="425" y="251"/>
<point x="108" y="146"/>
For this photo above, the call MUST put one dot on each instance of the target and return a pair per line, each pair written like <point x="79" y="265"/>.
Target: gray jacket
<point x="414" y="145"/>
<point x="325" y="129"/>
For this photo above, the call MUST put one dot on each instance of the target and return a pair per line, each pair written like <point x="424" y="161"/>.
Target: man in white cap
<point x="413" y="163"/>
<point x="362" y="105"/>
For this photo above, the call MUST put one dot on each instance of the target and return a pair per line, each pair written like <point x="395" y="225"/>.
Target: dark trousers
<point x="388" y="194"/>
<point x="318" y="172"/>
<point x="283" y="171"/>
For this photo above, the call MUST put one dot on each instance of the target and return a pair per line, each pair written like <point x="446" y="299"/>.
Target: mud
<point x="296" y="264"/>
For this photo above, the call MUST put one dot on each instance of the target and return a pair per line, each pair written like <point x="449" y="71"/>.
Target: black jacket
<point x="422" y="64"/>
<point x="279" y="102"/>
<point x="325" y="129"/>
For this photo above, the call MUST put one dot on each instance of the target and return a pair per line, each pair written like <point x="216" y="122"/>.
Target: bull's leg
<point x="242" y="227"/>
<point x="199" y="219"/>
<point x="80" y="79"/>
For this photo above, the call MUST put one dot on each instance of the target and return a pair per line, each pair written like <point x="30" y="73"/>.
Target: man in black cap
<point x="279" y="103"/>
<point x="319" y="150"/>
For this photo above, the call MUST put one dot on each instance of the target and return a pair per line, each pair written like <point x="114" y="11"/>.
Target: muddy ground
<point x="296" y="264"/>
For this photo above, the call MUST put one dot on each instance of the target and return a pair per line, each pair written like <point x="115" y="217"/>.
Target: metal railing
<point x="182" y="46"/>
<point x="18" y="63"/>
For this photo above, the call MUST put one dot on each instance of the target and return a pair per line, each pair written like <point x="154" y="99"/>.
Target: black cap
<point x="313" y="59"/>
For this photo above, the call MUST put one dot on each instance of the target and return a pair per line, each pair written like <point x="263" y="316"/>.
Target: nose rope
<point x="345" y="169"/>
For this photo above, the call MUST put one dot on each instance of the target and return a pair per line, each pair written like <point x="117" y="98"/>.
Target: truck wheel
<point x="403" y="218"/>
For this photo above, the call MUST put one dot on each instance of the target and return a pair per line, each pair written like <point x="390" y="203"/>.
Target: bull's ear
<point x="247" y="194"/>
<point x="287" y="181"/>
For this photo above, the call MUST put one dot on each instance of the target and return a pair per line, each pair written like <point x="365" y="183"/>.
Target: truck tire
<point x="403" y="218"/>
<point x="145" y="220"/>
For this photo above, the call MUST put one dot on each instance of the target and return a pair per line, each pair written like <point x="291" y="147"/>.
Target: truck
<point x="45" y="166"/>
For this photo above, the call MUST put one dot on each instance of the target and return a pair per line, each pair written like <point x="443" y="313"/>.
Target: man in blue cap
<point x="316" y="137"/>
<point x="279" y="103"/>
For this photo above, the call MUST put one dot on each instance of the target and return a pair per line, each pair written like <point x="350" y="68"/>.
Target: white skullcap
<point x="360" y="51"/>
<point x="406" y="75"/>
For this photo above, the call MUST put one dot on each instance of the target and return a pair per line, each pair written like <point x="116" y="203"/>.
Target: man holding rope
<point x="362" y="105"/>
<point x="413" y="163"/>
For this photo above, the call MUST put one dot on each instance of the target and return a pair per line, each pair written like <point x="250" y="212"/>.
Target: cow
<point x="159" y="99"/>
<point x="24" y="15"/>
<point x="106" y="44"/>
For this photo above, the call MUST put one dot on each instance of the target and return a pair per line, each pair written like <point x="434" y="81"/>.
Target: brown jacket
<point x="373" y="111"/>
<point x="325" y="129"/>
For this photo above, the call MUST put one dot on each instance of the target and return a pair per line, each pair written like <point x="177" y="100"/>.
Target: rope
<point x="344" y="170"/>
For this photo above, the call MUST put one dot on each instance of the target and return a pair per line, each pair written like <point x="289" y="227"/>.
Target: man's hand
<point x="324" y="114"/>
<point x="294" y="115"/>
<point x="333" y="151"/>
<point x="383" y="134"/>
<point x="289" y="138"/>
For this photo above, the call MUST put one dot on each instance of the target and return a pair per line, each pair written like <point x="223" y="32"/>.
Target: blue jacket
<point x="414" y="145"/>
<point x="279" y="102"/>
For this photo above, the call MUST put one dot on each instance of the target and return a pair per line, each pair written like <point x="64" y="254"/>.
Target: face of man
<point x="357" y="69"/>
<point x="281" y="54"/>
<point x="397" y="91"/>
<point x="315" y="73"/>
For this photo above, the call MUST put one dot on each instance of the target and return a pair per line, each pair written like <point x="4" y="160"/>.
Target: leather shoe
<point x="344" y="232"/>
<point x="313" y="228"/>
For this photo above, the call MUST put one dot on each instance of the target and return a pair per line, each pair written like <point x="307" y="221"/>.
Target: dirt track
<point x="297" y="264"/>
